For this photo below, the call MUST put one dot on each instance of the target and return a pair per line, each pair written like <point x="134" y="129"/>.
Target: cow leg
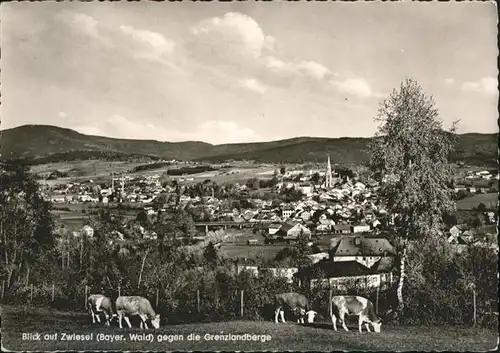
<point x="360" y="323"/>
<point x="342" y="317"/>
<point x="107" y="319"/>
<point x="128" y="321"/>
<point x="276" y="314"/>
<point x="120" y="317"/>
<point x="98" y="318"/>
<point x="301" y="320"/>
<point x="367" y="327"/>
<point x="282" y="314"/>
<point x="143" y="321"/>
<point x="141" y="325"/>
<point x="334" y="322"/>
<point x="93" y="317"/>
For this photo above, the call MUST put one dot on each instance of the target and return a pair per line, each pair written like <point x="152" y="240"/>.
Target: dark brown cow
<point x="354" y="305"/>
<point x="294" y="302"/>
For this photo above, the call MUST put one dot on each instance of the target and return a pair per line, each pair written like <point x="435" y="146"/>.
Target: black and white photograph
<point x="249" y="176"/>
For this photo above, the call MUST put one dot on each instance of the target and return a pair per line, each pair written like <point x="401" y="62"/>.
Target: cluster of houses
<point x="351" y="262"/>
<point x="462" y="236"/>
<point x="481" y="182"/>
<point x="143" y="189"/>
<point x="347" y="210"/>
<point x="484" y="174"/>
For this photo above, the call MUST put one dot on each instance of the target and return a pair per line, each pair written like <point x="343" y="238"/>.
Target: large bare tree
<point x="409" y="155"/>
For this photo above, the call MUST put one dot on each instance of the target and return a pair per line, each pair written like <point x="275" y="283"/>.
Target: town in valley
<point x="249" y="176"/>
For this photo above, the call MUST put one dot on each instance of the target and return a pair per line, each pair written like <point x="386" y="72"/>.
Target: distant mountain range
<point x="38" y="144"/>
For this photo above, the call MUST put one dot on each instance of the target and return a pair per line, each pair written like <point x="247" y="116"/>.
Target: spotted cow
<point x="135" y="305"/>
<point x="355" y="306"/>
<point x="98" y="303"/>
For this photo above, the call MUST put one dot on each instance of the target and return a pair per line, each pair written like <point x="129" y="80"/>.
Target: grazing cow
<point x="135" y="305"/>
<point x="295" y="302"/>
<point x="98" y="303"/>
<point x="354" y="305"/>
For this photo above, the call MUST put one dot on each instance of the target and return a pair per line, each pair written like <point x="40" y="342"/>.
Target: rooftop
<point x="330" y="269"/>
<point x="360" y="246"/>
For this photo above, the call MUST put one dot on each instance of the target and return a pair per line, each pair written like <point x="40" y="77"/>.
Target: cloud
<point x="155" y="41"/>
<point x="313" y="69"/>
<point x="218" y="131"/>
<point x="309" y="68"/>
<point x="152" y="46"/>
<point x="212" y="131"/>
<point x="84" y="24"/>
<point x="487" y="85"/>
<point x="238" y="44"/>
<point x="254" y="85"/>
<point x="449" y="81"/>
<point x="90" y="130"/>
<point x="357" y="87"/>
<point x="237" y="33"/>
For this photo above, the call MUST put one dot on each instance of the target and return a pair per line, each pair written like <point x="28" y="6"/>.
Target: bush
<point x="437" y="286"/>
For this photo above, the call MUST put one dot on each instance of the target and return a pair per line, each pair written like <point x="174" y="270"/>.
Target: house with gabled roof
<point x="347" y="277"/>
<point x="365" y="250"/>
<point x="342" y="228"/>
<point x="292" y="231"/>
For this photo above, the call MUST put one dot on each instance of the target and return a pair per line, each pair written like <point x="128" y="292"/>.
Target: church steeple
<point x="329" y="180"/>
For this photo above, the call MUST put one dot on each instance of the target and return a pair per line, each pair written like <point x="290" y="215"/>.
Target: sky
<point x="242" y="71"/>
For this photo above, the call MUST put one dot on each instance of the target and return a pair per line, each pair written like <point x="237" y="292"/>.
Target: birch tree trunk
<point x="401" y="280"/>
<point x="142" y="268"/>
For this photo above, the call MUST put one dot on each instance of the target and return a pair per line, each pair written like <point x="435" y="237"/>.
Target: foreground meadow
<point x="288" y="336"/>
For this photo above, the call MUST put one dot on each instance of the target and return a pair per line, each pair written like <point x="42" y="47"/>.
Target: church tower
<point x="329" y="180"/>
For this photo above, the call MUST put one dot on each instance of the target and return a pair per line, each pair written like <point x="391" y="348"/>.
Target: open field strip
<point x="268" y="335"/>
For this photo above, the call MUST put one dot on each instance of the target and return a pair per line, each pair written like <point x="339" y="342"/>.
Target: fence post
<point x="198" y="300"/>
<point x="81" y="250"/>
<point x="376" y="301"/>
<point x="86" y="295"/>
<point x="241" y="303"/>
<point x="53" y="292"/>
<point x="31" y="293"/>
<point x="330" y="300"/>
<point x="474" y="301"/>
<point x="68" y="254"/>
<point x="157" y="293"/>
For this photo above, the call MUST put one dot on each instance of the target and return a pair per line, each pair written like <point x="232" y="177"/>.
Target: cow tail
<point x="113" y="306"/>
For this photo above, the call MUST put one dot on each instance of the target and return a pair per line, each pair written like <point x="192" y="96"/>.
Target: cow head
<point x="377" y="325"/>
<point x="310" y="315"/>
<point x="156" y="321"/>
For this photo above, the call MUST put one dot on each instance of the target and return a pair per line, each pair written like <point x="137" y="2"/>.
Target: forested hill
<point x="44" y="143"/>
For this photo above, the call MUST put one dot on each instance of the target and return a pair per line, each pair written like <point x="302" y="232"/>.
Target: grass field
<point x="288" y="336"/>
<point x="489" y="200"/>
<point x="87" y="168"/>
<point x="267" y="252"/>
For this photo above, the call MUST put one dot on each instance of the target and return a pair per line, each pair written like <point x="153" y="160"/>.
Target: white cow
<point x="354" y="305"/>
<point x="135" y="305"/>
<point x="98" y="303"/>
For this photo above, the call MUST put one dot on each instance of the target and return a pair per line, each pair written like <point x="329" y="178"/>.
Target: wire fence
<point x="223" y="304"/>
